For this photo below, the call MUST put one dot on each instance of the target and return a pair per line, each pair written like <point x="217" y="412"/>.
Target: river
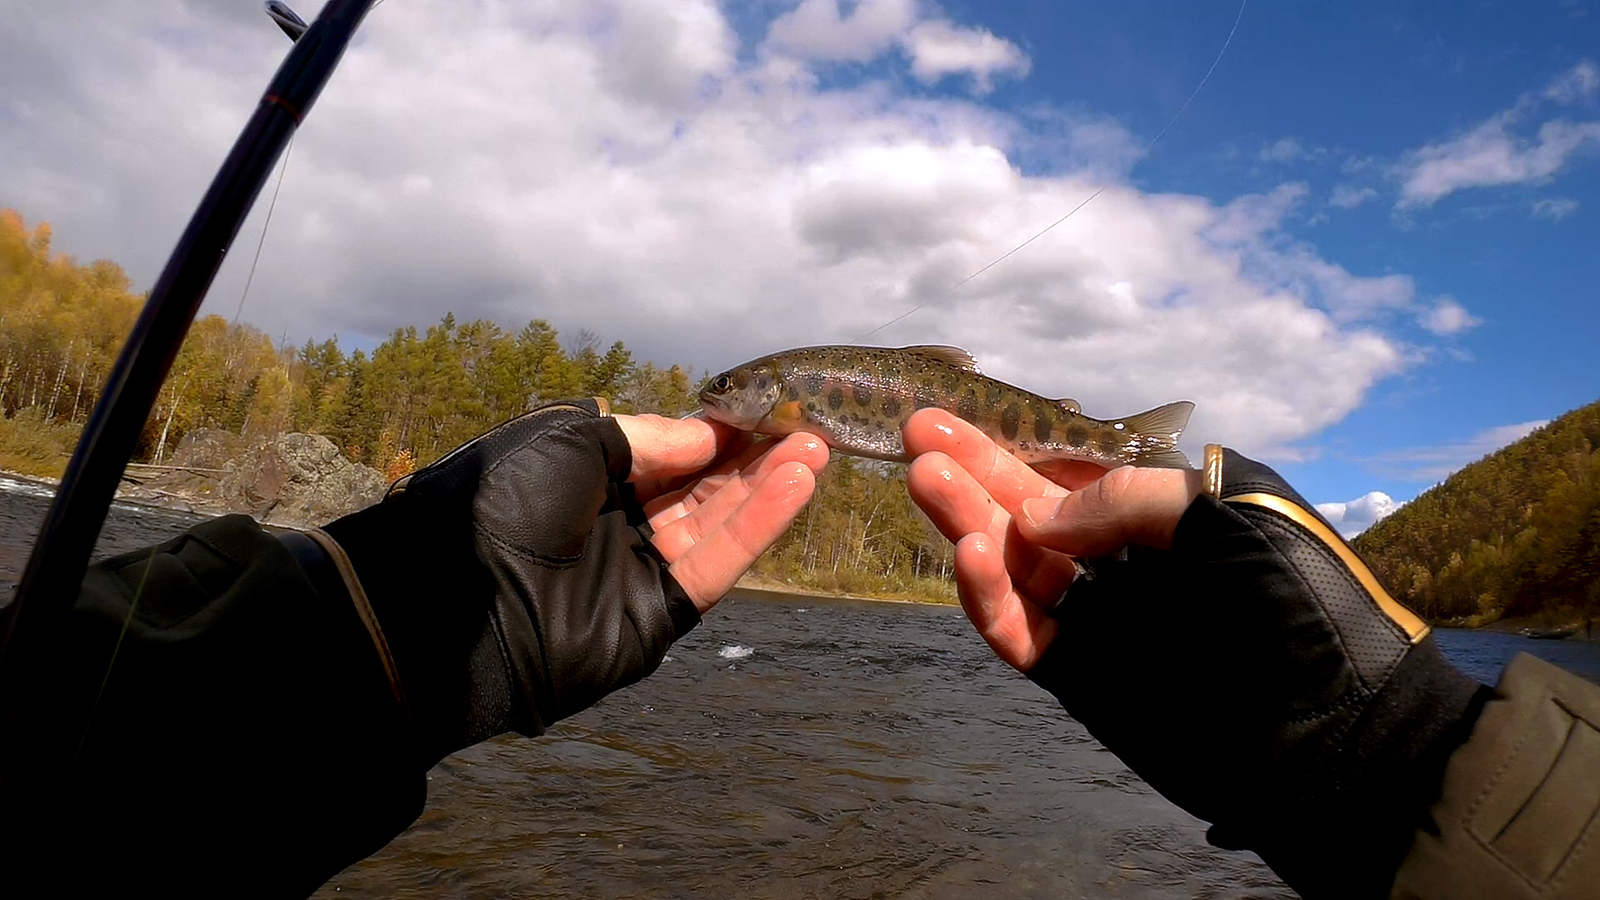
<point x="800" y="747"/>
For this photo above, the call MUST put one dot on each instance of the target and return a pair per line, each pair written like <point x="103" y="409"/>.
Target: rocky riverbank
<point x="298" y="480"/>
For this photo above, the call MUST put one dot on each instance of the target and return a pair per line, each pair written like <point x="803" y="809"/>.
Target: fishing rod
<point x="54" y="575"/>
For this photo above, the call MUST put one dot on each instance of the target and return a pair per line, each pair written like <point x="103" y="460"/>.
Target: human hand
<point x="1241" y="658"/>
<point x="569" y="547"/>
<point x="1016" y="531"/>
<point x="716" y="498"/>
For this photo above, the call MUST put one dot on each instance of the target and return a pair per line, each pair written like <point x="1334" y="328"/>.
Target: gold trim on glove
<point x="1211" y="471"/>
<point x="1408" y="621"/>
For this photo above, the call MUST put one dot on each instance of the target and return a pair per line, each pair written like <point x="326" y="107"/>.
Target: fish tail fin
<point x="1157" y="431"/>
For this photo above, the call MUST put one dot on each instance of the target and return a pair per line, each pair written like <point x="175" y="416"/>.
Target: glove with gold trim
<point x="1259" y="676"/>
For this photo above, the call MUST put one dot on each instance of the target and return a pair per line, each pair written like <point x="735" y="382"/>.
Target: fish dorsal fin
<point x="944" y="353"/>
<point x="1070" y="406"/>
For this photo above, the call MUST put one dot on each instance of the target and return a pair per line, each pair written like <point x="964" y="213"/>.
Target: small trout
<point x="859" y="398"/>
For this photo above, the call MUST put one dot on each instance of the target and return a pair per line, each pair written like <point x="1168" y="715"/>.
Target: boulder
<point x="292" y="479"/>
<point x="298" y="479"/>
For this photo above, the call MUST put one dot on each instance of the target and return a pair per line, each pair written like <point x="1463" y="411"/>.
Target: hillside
<point x="1515" y="534"/>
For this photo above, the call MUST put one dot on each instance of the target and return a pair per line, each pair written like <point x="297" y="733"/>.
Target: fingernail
<point x="1040" y="509"/>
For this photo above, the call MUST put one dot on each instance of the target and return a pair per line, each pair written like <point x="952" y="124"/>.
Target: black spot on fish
<point x="1041" y="424"/>
<point x="813" y="382"/>
<point x="1010" y="421"/>
<point x="991" y="397"/>
<point x="968" y="407"/>
<point x="1109" y="445"/>
<point x="836" y="399"/>
<point x="811" y="407"/>
<point x="952" y="382"/>
<point x="863" y="395"/>
<point x="891" y="407"/>
<point x="791" y="393"/>
<point x="1078" y="435"/>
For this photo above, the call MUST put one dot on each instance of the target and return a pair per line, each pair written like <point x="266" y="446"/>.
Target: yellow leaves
<point x="400" y="466"/>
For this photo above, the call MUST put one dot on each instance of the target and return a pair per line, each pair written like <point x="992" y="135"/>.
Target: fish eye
<point x="721" y="383"/>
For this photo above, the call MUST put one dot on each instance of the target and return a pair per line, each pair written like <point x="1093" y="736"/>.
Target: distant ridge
<point x="1516" y="533"/>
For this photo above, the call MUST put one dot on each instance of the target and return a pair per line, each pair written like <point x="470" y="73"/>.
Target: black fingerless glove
<point x="513" y="581"/>
<point x="1257" y="675"/>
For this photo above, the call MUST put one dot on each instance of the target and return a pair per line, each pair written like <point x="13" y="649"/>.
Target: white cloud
<point x="818" y="29"/>
<point x="1447" y="317"/>
<point x="1282" y="150"/>
<point x="1435" y="464"/>
<point x="1346" y="196"/>
<point x="1554" y="208"/>
<point x="1492" y="153"/>
<point x="616" y="166"/>
<point x="821" y="31"/>
<point x="1580" y="82"/>
<point x="938" y="48"/>
<point x="1352" y="517"/>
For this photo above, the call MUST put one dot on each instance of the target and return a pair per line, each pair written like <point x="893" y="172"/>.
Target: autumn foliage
<point x="1514" y="534"/>
<point x="411" y="400"/>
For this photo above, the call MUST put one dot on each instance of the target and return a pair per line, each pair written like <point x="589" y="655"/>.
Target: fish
<point x="859" y="398"/>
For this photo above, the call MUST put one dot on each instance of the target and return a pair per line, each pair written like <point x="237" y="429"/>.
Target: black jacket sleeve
<point x="212" y="723"/>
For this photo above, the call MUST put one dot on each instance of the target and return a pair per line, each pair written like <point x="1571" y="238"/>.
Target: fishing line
<point x="282" y="169"/>
<point x="1098" y="191"/>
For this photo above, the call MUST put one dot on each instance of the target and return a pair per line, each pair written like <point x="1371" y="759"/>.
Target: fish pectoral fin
<point x="1162" y="422"/>
<point x="1070" y="406"/>
<point x="950" y="356"/>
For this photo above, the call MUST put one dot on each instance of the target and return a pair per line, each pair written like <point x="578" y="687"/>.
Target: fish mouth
<point x="711" y="405"/>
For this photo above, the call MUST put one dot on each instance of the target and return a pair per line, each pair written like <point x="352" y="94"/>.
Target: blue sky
<point x="1349" y="88"/>
<point x="1334" y="96"/>
<point x="1366" y="248"/>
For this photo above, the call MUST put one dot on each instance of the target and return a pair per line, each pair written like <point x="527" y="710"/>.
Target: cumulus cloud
<point x="1347" y="196"/>
<point x="1554" y="208"/>
<point x="820" y="30"/>
<point x="1447" y="317"/>
<point x="1494" y="153"/>
<point x="627" y="167"/>
<point x="1435" y="464"/>
<point x="939" y="48"/>
<point x="1352" y="517"/>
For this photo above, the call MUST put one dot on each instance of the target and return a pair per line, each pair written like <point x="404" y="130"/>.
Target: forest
<point x="407" y="402"/>
<point x="1514" y="534"/>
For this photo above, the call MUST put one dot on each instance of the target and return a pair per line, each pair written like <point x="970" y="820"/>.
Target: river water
<point x="800" y="747"/>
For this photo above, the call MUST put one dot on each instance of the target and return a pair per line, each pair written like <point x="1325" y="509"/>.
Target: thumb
<point x="1126" y="506"/>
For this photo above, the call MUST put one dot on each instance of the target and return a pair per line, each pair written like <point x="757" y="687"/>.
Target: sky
<point x="1365" y="247"/>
